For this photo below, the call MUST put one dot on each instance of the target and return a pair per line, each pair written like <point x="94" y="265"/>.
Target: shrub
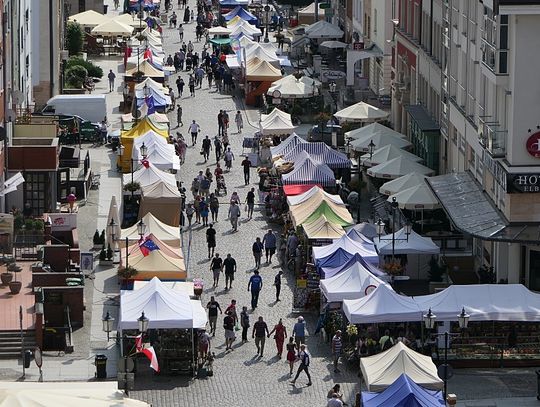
<point x="93" y="70"/>
<point x="96" y="240"/>
<point x="109" y="252"/>
<point x="102" y="254"/>
<point x="75" y="76"/>
<point x="102" y="237"/>
<point x="74" y="38"/>
<point x="127" y="273"/>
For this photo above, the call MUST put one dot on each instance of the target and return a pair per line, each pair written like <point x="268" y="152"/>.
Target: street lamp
<point x="141" y="228"/>
<point x="371" y="147"/>
<point x="108" y="322"/>
<point x="429" y="322"/>
<point x="143" y="323"/>
<point x="143" y="150"/>
<point x="266" y="10"/>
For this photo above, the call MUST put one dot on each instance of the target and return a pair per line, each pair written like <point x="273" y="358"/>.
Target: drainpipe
<point x="51" y="50"/>
<point x="430" y="28"/>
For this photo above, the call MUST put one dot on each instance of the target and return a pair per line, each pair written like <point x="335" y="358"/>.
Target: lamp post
<point x="266" y="20"/>
<point x="143" y="323"/>
<point x="143" y="150"/>
<point x="371" y="147"/>
<point x="108" y="322"/>
<point x="429" y="321"/>
<point x="141" y="228"/>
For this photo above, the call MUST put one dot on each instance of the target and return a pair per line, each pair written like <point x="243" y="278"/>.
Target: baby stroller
<point x="188" y="64"/>
<point x="220" y="185"/>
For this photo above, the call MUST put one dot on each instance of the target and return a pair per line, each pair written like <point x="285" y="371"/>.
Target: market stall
<point x="403" y="244"/>
<point x="113" y="28"/>
<point x="322" y="229"/>
<point x="173" y="318"/>
<point x="156" y="263"/>
<point x="308" y="171"/>
<point x="292" y="87"/>
<point x="286" y="145"/>
<point x="162" y="156"/>
<point x="359" y="237"/>
<point x="149" y="174"/>
<point x="336" y="214"/>
<point x="166" y="233"/>
<point x="333" y="265"/>
<point x="322" y="30"/>
<point x="163" y="200"/>
<point x="259" y="77"/>
<point x="88" y="19"/>
<point x="364" y="249"/>
<point x="297" y="189"/>
<point x="146" y="69"/>
<point x="313" y="202"/>
<point x="242" y="13"/>
<point x="315" y="192"/>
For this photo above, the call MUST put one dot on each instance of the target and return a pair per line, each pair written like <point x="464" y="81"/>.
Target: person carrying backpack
<point x="386" y="341"/>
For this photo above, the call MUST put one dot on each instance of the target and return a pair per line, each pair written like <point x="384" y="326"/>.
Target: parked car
<point x="325" y="134"/>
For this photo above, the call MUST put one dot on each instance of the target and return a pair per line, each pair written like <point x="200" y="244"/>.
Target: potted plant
<point x="102" y="238"/>
<point x="18" y="223"/>
<point x="6" y="277"/>
<point x="132" y="187"/>
<point x="38" y="226"/>
<point x="127" y="273"/>
<point x="96" y="240"/>
<point x="110" y="253"/>
<point x="14" y="286"/>
<point x="103" y="261"/>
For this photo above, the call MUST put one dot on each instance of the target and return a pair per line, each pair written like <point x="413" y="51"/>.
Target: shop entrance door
<point x="534" y="270"/>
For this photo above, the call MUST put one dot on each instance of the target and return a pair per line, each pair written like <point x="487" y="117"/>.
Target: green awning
<point x="325" y="210"/>
<point x="220" y="41"/>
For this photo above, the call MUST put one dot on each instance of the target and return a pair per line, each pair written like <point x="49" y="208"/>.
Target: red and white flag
<point x="149" y="352"/>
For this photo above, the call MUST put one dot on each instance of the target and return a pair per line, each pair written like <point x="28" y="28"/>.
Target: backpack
<point x="387" y="344"/>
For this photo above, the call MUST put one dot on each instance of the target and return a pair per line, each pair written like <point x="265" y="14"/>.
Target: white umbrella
<point x="371" y="129"/>
<point x="112" y="28"/>
<point x="386" y="153"/>
<point x="361" y="112"/>
<point x="333" y="44"/>
<point x="323" y="29"/>
<point x="117" y="230"/>
<point x="399" y="184"/>
<point x="219" y="31"/>
<point x="396" y="168"/>
<point x="417" y="197"/>
<point x="89" y="18"/>
<point x="378" y="140"/>
<point x="128" y="19"/>
<point x="291" y="88"/>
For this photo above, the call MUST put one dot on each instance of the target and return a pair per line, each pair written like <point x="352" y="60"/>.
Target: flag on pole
<point x="148" y="54"/>
<point x="147" y="246"/>
<point x="149" y="352"/>
<point x="138" y="343"/>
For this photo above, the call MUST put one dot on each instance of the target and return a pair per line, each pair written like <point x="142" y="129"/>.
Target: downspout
<point x="51" y="51"/>
<point x="430" y="28"/>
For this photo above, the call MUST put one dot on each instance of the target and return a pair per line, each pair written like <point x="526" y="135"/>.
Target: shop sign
<point x="333" y="75"/>
<point x="533" y="145"/>
<point x="6" y="223"/>
<point x="358" y="46"/>
<point x="527" y="183"/>
<point x="63" y="221"/>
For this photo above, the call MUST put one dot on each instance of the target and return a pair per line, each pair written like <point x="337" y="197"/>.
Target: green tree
<point x="74" y="38"/>
<point x="93" y="70"/>
<point x="75" y="76"/>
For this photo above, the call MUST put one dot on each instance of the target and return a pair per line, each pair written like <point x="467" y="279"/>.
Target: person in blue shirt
<point x="299" y="332"/>
<point x="255" y="283"/>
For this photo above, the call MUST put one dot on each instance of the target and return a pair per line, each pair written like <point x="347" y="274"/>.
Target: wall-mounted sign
<point x="523" y="183"/>
<point x="533" y="145"/>
<point x="358" y="46"/>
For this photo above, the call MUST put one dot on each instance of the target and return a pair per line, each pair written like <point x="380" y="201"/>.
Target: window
<point x="416" y="22"/>
<point x="36" y="191"/>
<point x="82" y="6"/>
<point x="375" y="22"/>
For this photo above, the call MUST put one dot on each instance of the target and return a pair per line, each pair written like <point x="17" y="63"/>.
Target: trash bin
<point x="101" y="366"/>
<point x="538" y="385"/>
<point x="105" y="8"/>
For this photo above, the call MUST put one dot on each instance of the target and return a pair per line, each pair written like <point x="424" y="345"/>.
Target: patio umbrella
<point x="414" y="198"/>
<point x="386" y="153"/>
<point x="89" y="18"/>
<point x="323" y="29"/>
<point x="399" y="184"/>
<point x="291" y="88"/>
<point x="333" y="44"/>
<point x="379" y="140"/>
<point x="117" y="230"/>
<point x="361" y="112"/>
<point x="396" y="168"/>
<point x="112" y="28"/>
<point x="371" y="129"/>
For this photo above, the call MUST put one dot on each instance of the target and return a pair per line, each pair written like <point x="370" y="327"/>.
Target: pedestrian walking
<point x="213" y="307"/>
<point x="204" y="205"/>
<point x="291" y="355"/>
<point x="279" y="337"/>
<point x="255" y="283"/>
<point x="270" y="244"/>
<point x="234" y="214"/>
<point x="234" y="198"/>
<point x="229" y="264"/>
<point x="229" y="157"/>
<point x="239" y="121"/>
<point x="211" y="240"/>
<point x="191" y="85"/>
<point x="304" y="358"/>
<point x="173" y="99"/>
<point x="220" y="123"/>
<point x="260" y="330"/>
<point x="189" y="213"/>
<point x="337" y="345"/>
<point x="257" y="250"/>
<point x="299" y="332"/>
<point x="206" y="147"/>
<point x="111" y="77"/>
<point x="228" y="325"/>
<point x="186" y="15"/>
<point x="103" y="130"/>
<point x="217" y="148"/>
<point x="214" y="206"/>
<point x="216" y="266"/>
<point x="181" y="32"/>
<point x="250" y="203"/>
<point x="246" y="164"/>
<point x="232" y="310"/>
<point x="225" y="142"/>
<point x="179" y="121"/>
<point x="194" y="129"/>
<point x="180" y="82"/>
<point x="244" y="322"/>
<point x="277" y="284"/>
<point x="204" y="344"/>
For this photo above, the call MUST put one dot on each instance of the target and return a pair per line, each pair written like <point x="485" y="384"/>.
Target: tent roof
<point x="296" y="189"/>
<point x="261" y="53"/>
<point x="413" y="244"/>
<point x="147" y="69"/>
<point x="352" y="283"/>
<point x="311" y="203"/>
<point x="404" y="392"/>
<point x="315" y="191"/>
<point x="319" y="152"/>
<point x="399" y="184"/>
<point x="112" y="28"/>
<point x="336" y="259"/>
<point x="416" y="197"/>
<point x="239" y="12"/>
<point x="89" y="18"/>
<point x="169" y="250"/>
<point x="329" y="270"/>
<point x="291" y="88"/>
<point x="366" y="229"/>
<point x="277" y="125"/>
<point x="156" y="264"/>
<point x="148" y="175"/>
<point x="143" y="127"/>
<point x="275" y="112"/>
<point x="243" y="27"/>
<point x="219" y="30"/>
<point x="152" y="84"/>
<point x="398" y="167"/>
<point x="164" y="307"/>
<point x="149" y="139"/>
<point x="164" y="232"/>
<point x="387" y="153"/>
<point x="258" y="70"/>
<point x="310" y="172"/>
<point x="323" y="29"/>
<point x="162" y="156"/>
<point x="361" y="112"/>
<point x="54" y="394"/>
<point x="159" y="190"/>
<point x="287" y="145"/>
<point x="322" y="229"/>
<point x="358" y="237"/>
<point x="128" y="19"/>
<point x="366" y="250"/>
<point x="381" y="370"/>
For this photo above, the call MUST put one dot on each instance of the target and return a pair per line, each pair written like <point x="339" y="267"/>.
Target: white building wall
<point x="382" y="31"/>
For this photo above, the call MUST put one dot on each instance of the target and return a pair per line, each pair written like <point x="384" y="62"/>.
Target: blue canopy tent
<point x="135" y="5"/>
<point x="336" y="259"/>
<point x="228" y="5"/>
<point x="242" y="13"/>
<point x="403" y="393"/>
<point x="327" y="272"/>
<point x="157" y="101"/>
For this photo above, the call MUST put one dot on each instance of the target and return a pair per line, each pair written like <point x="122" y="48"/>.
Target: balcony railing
<point x="493" y="138"/>
<point x="494" y="59"/>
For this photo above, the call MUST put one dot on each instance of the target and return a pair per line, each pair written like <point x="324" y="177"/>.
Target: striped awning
<point x="320" y="153"/>
<point x="308" y="171"/>
<point x="287" y="145"/>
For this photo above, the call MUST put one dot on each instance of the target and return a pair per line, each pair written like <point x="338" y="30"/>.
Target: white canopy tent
<point x="158" y="87"/>
<point x="350" y="284"/>
<point x="315" y="191"/>
<point x="366" y="229"/>
<point x="413" y="244"/>
<point x="358" y="236"/>
<point x="289" y="87"/>
<point x="323" y="29"/>
<point x="381" y="370"/>
<point x="113" y="28"/>
<point x="277" y="125"/>
<point x="366" y="250"/>
<point x="166" y="233"/>
<point x="397" y="168"/>
<point x="161" y="156"/>
<point x="361" y="112"/>
<point x="371" y="130"/>
<point x="219" y="30"/>
<point x="244" y="28"/>
<point x="164" y="307"/>
<point x="416" y="198"/>
<point x="260" y="52"/>
<point x="89" y="18"/>
<point x="132" y="20"/>
<point x="148" y="175"/>
<point x="323" y="229"/>
<point x="399" y="184"/>
<point x="386" y="153"/>
<point x="149" y="139"/>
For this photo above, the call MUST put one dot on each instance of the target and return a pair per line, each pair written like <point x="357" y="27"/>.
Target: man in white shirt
<point x="194" y="129"/>
<point x="334" y="401"/>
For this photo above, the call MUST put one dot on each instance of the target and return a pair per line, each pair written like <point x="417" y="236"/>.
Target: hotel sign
<point x="533" y="145"/>
<point x="523" y="183"/>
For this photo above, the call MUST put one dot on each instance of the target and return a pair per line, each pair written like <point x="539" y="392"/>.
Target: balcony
<point x="494" y="61"/>
<point x="493" y="138"/>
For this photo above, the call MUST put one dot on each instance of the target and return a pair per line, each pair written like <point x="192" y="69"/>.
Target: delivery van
<point x="89" y="107"/>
